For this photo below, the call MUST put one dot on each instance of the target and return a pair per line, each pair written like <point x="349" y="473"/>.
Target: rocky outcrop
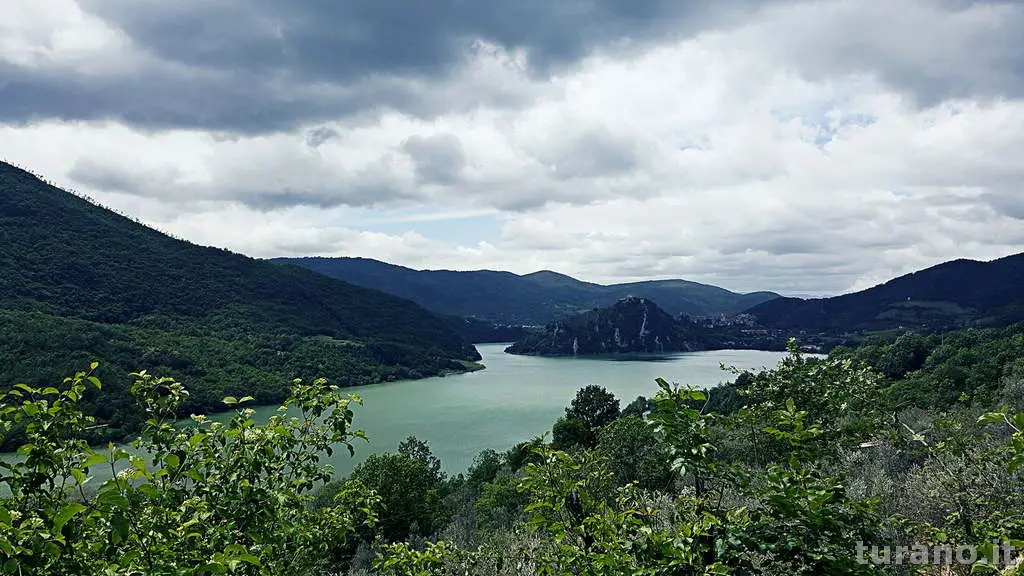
<point x="632" y="325"/>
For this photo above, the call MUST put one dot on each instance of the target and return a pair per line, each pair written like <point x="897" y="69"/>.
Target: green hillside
<point x="81" y="282"/>
<point x="951" y="295"/>
<point x="537" y="298"/>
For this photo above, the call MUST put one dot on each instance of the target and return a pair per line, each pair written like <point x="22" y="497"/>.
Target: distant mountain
<point x="951" y="295"/>
<point x="632" y="326"/>
<point x="532" y="299"/>
<point x="82" y="283"/>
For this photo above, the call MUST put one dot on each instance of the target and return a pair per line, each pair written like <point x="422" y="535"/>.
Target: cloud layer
<point x="809" y="147"/>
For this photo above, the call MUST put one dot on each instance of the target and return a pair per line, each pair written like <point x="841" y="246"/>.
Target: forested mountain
<point x="81" y="283"/>
<point x="630" y="326"/>
<point x="537" y="298"/>
<point x="951" y="295"/>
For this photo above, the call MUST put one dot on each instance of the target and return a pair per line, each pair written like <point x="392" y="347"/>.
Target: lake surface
<point x="514" y="399"/>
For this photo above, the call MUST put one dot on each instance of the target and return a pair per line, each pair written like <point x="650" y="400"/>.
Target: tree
<point x="485" y="468"/>
<point x="594" y="406"/>
<point x="420" y="450"/>
<point x="634" y="453"/>
<point x="638" y="407"/>
<point x="409" y="492"/>
<point x="906" y="354"/>
<point x="571" y="434"/>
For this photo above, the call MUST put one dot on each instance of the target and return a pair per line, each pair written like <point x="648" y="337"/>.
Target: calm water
<point x="514" y="399"/>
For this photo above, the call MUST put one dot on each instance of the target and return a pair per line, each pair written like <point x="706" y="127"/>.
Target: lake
<point x="514" y="399"/>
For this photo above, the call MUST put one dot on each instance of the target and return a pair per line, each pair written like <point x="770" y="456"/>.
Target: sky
<point x="806" y="147"/>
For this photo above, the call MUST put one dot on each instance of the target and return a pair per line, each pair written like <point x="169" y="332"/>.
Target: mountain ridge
<point x="952" y="294"/>
<point x="532" y="299"/>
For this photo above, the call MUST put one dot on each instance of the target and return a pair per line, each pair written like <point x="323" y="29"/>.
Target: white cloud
<point x="778" y="154"/>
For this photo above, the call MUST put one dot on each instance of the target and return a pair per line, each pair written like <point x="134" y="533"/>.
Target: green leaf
<point x="65" y="514"/>
<point x="1016" y="462"/>
<point x="173" y="460"/>
<point x="215" y="568"/>
<point x="94" y="365"/>
<point x="5" y="516"/>
<point x="230" y="400"/>
<point x="94" y="459"/>
<point x="250" y="559"/>
<point x="991" y="418"/>
<point x="112" y="498"/>
<point x="120" y="527"/>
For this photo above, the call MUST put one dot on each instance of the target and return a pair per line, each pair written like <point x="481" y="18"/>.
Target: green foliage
<point x="413" y="447"/>
<point x="687" y="431"/>
<point x="202" y="499"/>
<point x="971" y="365"/>
<point x="591" y="409"/>
<point x="594" y="406"/>
<point x="571" y="434"/>
<point x="634" y="453"/>
<point x="82" y="283"/>
<point x="638" y="407"/>
<point x="500" y="504"/>
<point x="837" y="396"/>
<point x="44" y="348"/>
<point x="803" y="522"/>
<point x="485" y="468"/>
<point x="811" y="466"/>
<point x="410" y="493"/>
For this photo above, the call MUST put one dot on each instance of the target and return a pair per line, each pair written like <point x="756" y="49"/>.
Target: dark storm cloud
<point x="266" y="65"/>
<point x="170" y="97"/>
<point x="345" y="39"/>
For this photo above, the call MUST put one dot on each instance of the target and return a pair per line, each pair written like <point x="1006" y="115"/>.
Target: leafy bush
<point x="202" y="499"/>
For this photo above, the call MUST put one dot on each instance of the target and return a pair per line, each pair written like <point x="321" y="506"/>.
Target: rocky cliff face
<point x="632" y="325"/>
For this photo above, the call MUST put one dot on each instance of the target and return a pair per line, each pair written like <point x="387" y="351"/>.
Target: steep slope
<point x="537" y="298"/>
<point x="635" y="326"/>
<point x="950" y="295"/>
<point x="98" y="285"/>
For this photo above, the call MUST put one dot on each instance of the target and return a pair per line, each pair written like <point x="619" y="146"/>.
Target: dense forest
<point x="528" y="299"/>
<point x="818" y="466"/>
<point x="82" y="283"/>
<point x="951" y="295"/>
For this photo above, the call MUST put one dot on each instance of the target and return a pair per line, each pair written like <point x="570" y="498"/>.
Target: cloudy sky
<point x="804" y="147"/>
